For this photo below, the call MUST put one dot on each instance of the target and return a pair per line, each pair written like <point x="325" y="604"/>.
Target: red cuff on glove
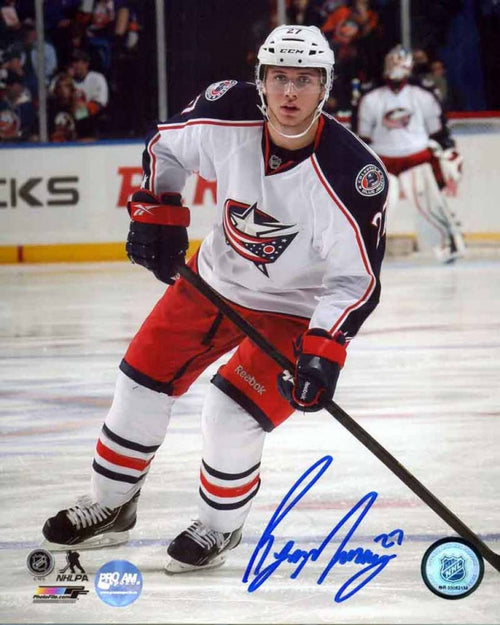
<point x="324" y="348"/>
<point x="164" y="211"/>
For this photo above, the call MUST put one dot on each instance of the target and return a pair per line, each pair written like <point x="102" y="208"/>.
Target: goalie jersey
<point x="299" y="233"/>
<point x="400" y="123"/>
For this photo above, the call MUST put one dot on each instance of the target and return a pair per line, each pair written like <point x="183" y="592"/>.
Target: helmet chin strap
<point x="301" y="134"/>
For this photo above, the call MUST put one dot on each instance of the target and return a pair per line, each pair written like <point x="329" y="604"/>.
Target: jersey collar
<point x="278" y="159"/>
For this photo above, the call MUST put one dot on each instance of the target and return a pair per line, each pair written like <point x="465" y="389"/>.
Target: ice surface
<point x="422" y="377"/>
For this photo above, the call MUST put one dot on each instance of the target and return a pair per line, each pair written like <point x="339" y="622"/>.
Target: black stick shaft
<point x="347" y="421"/>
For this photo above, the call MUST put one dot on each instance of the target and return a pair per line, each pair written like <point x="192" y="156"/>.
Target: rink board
<point x="68" y="202"/>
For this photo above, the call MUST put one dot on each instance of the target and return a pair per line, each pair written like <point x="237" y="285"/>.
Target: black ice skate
<point x="198" y="547"/>
<point x="90" y="525"/>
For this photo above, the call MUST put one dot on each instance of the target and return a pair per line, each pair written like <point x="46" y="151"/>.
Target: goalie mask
<point x="398" y="64"/>
<point x="296" y="46"/>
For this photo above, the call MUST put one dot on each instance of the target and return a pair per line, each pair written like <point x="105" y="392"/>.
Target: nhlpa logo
<point x="452" y="568"/>
<point x="255" y="235"/>
<point x="397" y="118"/>
<point x="218" y="89"/>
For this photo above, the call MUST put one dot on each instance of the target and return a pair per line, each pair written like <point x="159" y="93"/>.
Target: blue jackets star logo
<point x="255" y="235"/>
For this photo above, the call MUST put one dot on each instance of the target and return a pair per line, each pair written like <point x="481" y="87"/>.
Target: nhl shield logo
<point x="452" y="568"/>
<point x="255" y="235"/>
<point x="40" y="562"/>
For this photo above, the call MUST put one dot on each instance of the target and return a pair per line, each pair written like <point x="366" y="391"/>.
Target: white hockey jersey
<point x="93" y="88"/>
<point x="299" y="233"/>
<point x="399" y="124"/>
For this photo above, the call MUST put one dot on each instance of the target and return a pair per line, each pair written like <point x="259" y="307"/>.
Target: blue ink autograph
<point x="373" y="563"/>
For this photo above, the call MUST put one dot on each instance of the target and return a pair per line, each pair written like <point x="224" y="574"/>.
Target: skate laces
<point x="205" y="537"/>
<point x="87" y="513"/>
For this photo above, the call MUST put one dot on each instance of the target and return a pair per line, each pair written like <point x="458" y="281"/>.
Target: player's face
<point x="292" y="96"/>
<point x="79" y="68"/>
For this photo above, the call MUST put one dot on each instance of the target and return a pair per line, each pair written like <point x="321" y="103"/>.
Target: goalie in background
<point x="405" y="125"/>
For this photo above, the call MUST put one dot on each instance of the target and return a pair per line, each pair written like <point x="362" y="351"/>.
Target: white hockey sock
<point x="230" y="468"/>
<point x="133" y="430"/>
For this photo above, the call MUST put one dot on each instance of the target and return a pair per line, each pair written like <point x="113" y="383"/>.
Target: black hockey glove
<point x="158" y="237"/>
<point x="319" y="360"/>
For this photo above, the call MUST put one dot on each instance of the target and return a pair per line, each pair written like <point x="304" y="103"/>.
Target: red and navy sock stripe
<point x="120" y="459"/>
<point x="228" y="491"/>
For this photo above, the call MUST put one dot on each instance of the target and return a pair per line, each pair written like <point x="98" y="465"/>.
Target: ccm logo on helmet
<point x="291" y="51"/>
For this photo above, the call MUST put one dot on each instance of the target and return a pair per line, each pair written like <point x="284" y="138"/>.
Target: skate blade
<point x="110" y="539"/>
<point x="174" y="567"/>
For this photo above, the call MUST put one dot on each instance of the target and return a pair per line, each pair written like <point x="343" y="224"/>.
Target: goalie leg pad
<point x="393" y="195"/>
<point x="437" y="229"/>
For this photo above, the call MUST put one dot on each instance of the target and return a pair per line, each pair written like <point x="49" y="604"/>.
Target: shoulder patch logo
<point x="218" y="89"/>
<point x="370" y="181"/>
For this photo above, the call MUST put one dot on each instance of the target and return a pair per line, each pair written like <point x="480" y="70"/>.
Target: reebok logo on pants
<point x="249" y="379"/>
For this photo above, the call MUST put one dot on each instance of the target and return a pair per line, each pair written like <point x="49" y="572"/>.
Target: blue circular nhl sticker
<point x="118" y="583"/>
<point x="452" y="568"/>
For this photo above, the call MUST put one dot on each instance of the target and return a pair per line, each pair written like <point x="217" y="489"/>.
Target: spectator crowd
<point x="100" y="65"/>
<point x="361" y="33"/>
<point x="86" y="45"/>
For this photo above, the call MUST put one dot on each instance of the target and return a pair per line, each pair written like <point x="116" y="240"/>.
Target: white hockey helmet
<point x="398" y="63"/>
<point x="296" y="46"/>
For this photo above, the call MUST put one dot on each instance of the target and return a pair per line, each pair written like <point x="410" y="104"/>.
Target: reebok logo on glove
<point x="320" y="356"/>
<point x="140" y="209"/>
<point x="305" y="392"/>
<point x="158" y="213"/>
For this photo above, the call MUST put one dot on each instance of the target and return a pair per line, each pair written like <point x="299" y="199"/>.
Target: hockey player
<point x="296" y="248"/>
<point x="406" y="126"/>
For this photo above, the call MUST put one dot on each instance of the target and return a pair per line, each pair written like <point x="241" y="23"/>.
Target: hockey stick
<point x="347" y="421"/>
